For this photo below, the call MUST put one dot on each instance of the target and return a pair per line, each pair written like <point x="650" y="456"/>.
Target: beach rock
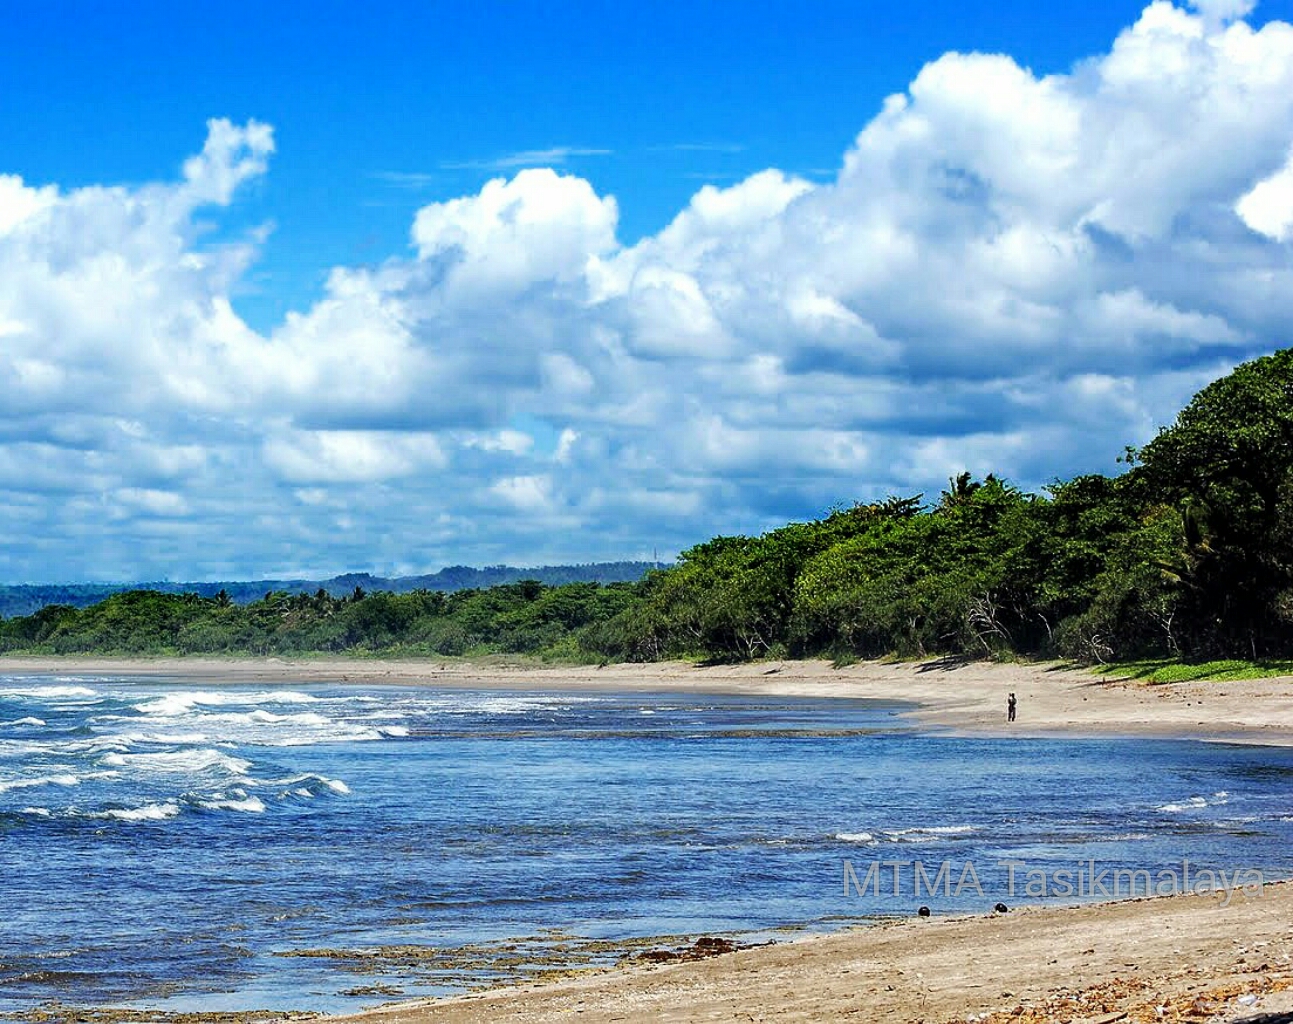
<point x="703" y="948"/>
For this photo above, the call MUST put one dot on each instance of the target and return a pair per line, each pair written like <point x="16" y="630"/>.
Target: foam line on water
<point x="148" y="812"/>
<point x="173" y="704"/>
<point x="201" y="759"/>
<point x="302" y="785"/>
<point x="237" y="801"/>
<point x="48" y="692"/>
<point x="927" y="833"/>
<point x="66" y="779"/>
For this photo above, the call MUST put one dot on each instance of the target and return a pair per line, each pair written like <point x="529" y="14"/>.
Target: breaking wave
<point x="7" y="785"/>
<point x="148" y="812"/>
<point x="199" y="760"/>
<point x="47" y="692"/>
<point x="172" y="705"/>
<point x="927" y="834"/>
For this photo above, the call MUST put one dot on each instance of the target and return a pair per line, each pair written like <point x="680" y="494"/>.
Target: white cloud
<point x="551" y="156"/>
<point x="153" y="502"/>
<point x="513" y="442"/>
<point x="539" y="226"/>
<point x="1223" y="10"/>
<point x="524" y="493"/>
<point x="230" y="156"/>
<point x="19" y="203"/>
<point x="566" y="445"/>
<point x="1009" y="272"/>
<point x="351" y="456"/>
<point x="1268" y="207"/>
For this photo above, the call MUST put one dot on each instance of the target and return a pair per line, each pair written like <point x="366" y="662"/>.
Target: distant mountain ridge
<point x="24" y="599"/>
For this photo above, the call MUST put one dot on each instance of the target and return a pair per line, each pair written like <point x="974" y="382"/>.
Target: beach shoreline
<point x="1168" y="958"/>
<point x="1095" y="962"/>
<point x="962" y="698"/>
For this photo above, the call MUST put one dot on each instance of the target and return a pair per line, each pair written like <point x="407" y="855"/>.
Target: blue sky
<point x="377" y="114"/>
<point x="338" y="332"/>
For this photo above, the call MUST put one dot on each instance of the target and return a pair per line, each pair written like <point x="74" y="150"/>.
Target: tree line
<point x="1188" y="553"/>
<point x="23" y="599"/>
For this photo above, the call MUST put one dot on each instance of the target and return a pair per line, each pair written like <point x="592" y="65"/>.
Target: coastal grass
<point x="1174" y="670"/>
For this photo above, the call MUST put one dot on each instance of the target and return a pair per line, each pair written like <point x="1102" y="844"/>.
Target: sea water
<point x="327" y="847"/>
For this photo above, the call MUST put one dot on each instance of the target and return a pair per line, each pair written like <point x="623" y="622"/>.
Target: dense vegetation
<point x="23" y="599"/>
<point x="1187" y="555"/>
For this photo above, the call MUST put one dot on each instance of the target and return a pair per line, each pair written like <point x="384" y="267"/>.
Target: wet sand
<point x="1171" y="959"/>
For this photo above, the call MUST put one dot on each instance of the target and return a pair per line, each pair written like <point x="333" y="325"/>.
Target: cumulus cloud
<point x="230" y="156"/>
<point x="525" y="493"/>
<point x="1268" y="207"/>
<point x="1224" y="10"/>
<point x="1010" y="272"/>
<point x="539" y="226"/>
<point x="18" y="202"/>
<point x="351" y="456"/>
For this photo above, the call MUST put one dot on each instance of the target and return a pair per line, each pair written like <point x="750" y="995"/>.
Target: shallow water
<point x="163" y="844"/>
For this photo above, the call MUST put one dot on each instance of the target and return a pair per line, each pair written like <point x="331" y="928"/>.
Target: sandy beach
<point x="1172" y="959"/>
<point x="968" y="698"/>
<point x="1184" y="958"/>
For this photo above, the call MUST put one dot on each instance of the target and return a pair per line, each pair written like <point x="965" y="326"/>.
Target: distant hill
<point x="27" y="598"/>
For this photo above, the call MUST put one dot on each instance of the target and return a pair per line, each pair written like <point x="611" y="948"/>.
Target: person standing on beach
<point x="1010" y="708"/>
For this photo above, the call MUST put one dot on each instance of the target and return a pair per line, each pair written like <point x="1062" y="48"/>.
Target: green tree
<point x="1226" y="466"/>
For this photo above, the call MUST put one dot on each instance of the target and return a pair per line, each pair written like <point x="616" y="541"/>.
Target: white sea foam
<point x="23" y="721"/>
<point x="220" y="721"/>
<point x="172" y="705"/>
<point x="921" y="835"/>
<point x="503" y="705"/>
<point x="238" y="721"/>
<point x="40" y="780"/>
<point x="856" y="837"/>
<point x="1243" y="819"/>
<point x="148" y="812"/>
<point x="301" y="785"/>
<point x="338" y="732"/>
<point x="179" y="761"/>
<point x="166" y="738"/>
<point x="49" y="692"/>
<point x="290" y="718"/>
<point x="236" y="802"/>
<point x="98" y="745"/>
<point x="62" y="748"/>
<point x="39" y="812"/>
<point x="1193" y="804"/>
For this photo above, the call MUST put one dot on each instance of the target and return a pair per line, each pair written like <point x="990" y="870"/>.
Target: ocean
<point x="330" y="847"/>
